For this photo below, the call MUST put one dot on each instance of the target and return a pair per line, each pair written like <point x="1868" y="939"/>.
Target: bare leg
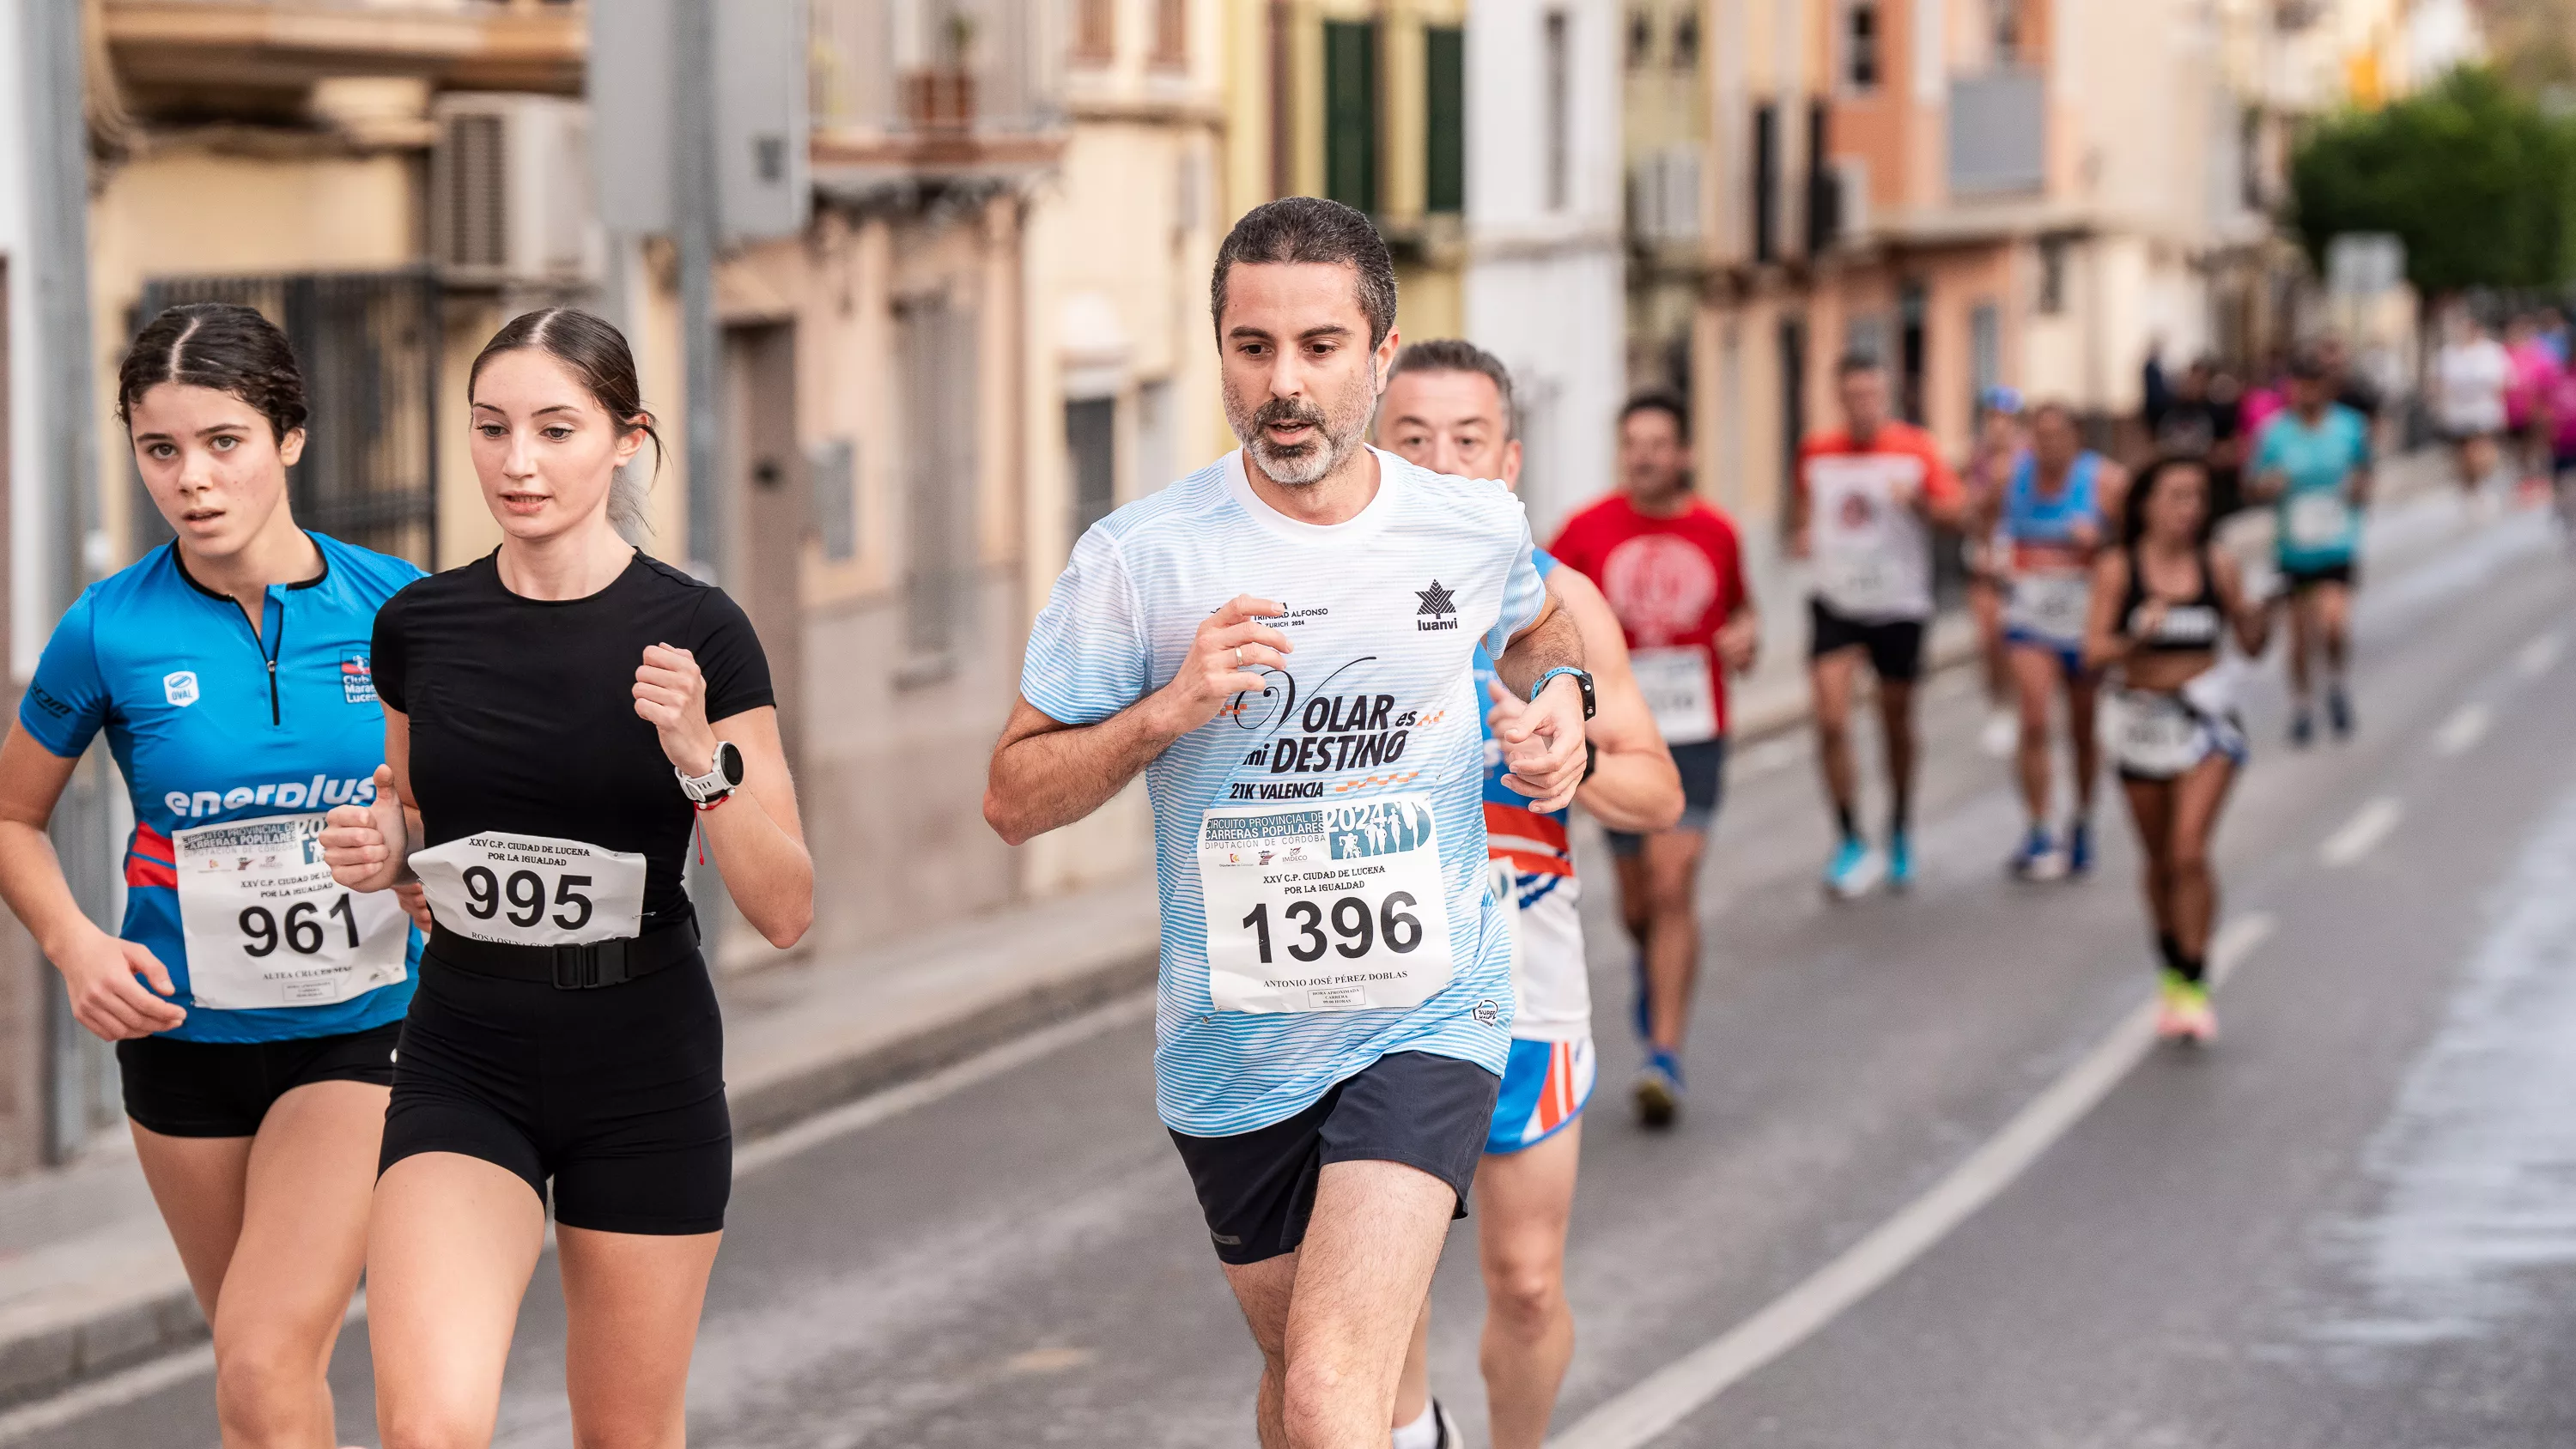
<point x="1524" y="1202"/>
<point x="303" y="1240"/>
<point x="2197" y="798"/>
<point x="1413" y="1386"/>
<point x="2151" y="806"/>
<point x="1896" y="716"/>
<point x="1831" y="678"/>
<point x="2302" y="627"/>
<point x="200" y="1184"/>
<point x="1349" y="1299"/>
<point x="448" y="1257"/>
<point x="1671" y="869"/>
<point x="1986" y="605"/>
<point x="2036" y="676"/>
<point x="631" y="1302"/>
<point x="2333" y="605"/>
<point x="2083" y="717"/>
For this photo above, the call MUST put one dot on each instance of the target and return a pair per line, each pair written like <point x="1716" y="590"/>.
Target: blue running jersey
<point x="207" y="731"/>
<point x="2317" y="524"/>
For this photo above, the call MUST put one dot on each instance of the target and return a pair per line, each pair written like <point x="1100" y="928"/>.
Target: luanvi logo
<point x="1436" y="601"/>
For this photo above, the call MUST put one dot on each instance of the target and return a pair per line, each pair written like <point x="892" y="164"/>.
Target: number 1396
<point x="1358" y="927"/>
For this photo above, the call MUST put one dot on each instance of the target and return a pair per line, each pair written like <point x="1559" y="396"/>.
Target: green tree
<point x="2477" y="179"/>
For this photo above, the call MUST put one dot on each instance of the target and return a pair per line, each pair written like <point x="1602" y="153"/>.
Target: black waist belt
<point x="570" y="968"/>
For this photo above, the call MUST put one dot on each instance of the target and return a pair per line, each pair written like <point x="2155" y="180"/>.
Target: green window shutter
<point x="1350" y="113"/>
<point x="1444" y="88"/>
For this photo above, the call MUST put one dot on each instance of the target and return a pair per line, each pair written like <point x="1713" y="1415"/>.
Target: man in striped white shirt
<point x="1283" y="643"/>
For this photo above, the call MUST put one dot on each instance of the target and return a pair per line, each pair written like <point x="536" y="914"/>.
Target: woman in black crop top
<point x="2163" y="605"/>
<point x="563" y="713"/>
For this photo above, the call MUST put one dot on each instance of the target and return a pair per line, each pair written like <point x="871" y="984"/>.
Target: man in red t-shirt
<point x="1672" y="569"/>
<point x="1866" y="502"/>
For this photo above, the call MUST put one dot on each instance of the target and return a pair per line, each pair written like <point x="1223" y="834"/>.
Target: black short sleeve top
<point x="522" y="710"/>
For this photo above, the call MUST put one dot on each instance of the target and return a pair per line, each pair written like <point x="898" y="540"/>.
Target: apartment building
<point x="1363" y="101"/>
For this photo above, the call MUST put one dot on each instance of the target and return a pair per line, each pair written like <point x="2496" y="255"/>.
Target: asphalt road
<point x="2352" y="1224"/>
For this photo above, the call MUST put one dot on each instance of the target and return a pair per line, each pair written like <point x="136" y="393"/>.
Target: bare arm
<point x="1543" y="746"/>
<point x="99" y="970"/>
<point x="1634" y="786"/>
<point x="1047" y="774"/>
<point x="755" y="835"/>
<point x="2106" y="639"/>
<point x="2111" y="498"/>
<point x="2251" y="620"/>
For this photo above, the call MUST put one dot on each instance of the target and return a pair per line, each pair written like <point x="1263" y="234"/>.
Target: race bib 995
<point x="533" y="890"/>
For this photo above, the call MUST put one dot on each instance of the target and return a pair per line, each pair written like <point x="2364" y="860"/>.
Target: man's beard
<point x="1302" y="465"/>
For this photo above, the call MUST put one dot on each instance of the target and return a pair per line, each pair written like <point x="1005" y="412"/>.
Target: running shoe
<point x="1451" y="1437"/>
<point x="2303" y="728"/>
<point x="2002" y="734"/>
<point x="1900" y="861"/>
<point x="2079" y="848"/>
<point x="1659" y="1089"/>
<point x="2339" y="712"/>
<point x="2037" y="858"/>
<point x="2183" y="1012"/>
<point x="1853" y="870"/>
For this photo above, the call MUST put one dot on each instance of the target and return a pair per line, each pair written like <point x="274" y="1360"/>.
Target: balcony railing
<point x="936" y="70"/>
<point x="289" y="44"/>
<point x="1998" y="134"/>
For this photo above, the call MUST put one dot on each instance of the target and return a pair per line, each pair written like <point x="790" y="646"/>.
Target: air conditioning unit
<point x="509" y="192"/>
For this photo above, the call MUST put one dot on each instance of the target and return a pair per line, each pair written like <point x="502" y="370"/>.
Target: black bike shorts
<point x="616" y="1095"/>
<point x="225" y="1088"/>
<point x="1257" y="1188"/>
<point x="1895" y="645"/>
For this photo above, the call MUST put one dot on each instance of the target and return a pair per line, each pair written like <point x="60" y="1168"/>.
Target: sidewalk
<point x="89" y="1282"/>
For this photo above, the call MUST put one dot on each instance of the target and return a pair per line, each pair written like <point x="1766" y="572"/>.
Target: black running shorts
<point x="225" y="1088"/>
<point x="615" y="1094"/>
<point x="1895" y="646"/>
<point x="1703" y="771"/>
<point x="1257" y="1188"/>
<point x="2346" y="573"/>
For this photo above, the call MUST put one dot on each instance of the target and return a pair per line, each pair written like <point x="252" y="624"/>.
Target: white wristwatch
<point x="723" y="776"/>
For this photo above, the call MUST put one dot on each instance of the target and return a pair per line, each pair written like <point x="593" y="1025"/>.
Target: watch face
<point x="729" y="763"/>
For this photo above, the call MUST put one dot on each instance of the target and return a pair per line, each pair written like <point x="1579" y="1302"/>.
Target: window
<point x="1091" y="458"/>
<point x="1824" y="184"/>
<point x="1158" y="444"/>
<point x="1686" y="41"/>
<point x="1861" y="37"/>
<point x="2052" y="275"/>
<point x="1641" y="39"/>
<point x="1350" y="113"/>
<point x="935" y="341"/>
<point x="1444" y="95"/>
<point x="1095" y="31"/>
<point x="1171" y="34"/>
<point x="1766" y="182"/>
<point x="1560" y="107"/>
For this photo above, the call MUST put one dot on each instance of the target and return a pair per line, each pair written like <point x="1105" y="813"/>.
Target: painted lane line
<point x="893" y="1102"/>
<point x="2539" y="654"/>
<point x="100" y="1395"/>
<point x="2361" y="834"/>
<point x="151" y="1377"/>
<point x="1655" y="1405"/>
<point x="2461" y="732"/>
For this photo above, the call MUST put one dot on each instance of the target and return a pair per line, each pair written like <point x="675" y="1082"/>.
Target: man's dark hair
<point x="1311" y="229"/>
<point x="1659" y="400"/>
<point x="1456" y="354"/>
<point x="1857" y="361"/>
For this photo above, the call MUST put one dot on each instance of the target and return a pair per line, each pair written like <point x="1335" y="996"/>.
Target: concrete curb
<point x="98" y="1339"/>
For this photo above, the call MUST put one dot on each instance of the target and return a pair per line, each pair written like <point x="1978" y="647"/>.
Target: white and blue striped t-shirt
<point x="1391" y="603"/>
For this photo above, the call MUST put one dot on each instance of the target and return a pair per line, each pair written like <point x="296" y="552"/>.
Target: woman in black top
<point x="2163" y="606"/>
<point x="561" y="712"/>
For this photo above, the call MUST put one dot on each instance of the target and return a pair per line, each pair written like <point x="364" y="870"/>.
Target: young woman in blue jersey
<point x="563" y="713"/>
<point x="2164" y="604"/>
<point x="253" y="1002"/>
<point x="2051" y="516"/>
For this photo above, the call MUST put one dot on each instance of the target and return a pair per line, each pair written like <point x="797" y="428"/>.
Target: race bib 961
<point x="266" y="926"/>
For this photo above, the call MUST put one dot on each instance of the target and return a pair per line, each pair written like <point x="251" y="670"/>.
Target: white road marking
<point x="2539" y="654"/>
<point x="2461" y="732"/>
<point x="1671" y="1394"/>
<point x="2361" y="834"/>
<point x="947" y="1082"/>
<point x="100" y="1395"/>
